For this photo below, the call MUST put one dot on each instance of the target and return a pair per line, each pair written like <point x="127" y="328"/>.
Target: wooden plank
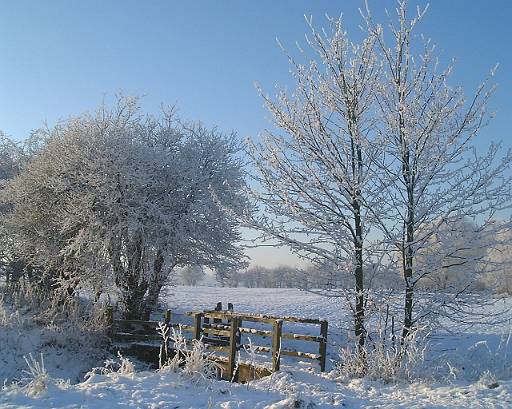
<point x="124" y="336"/>
<point x="300" y="320"/>
<point x="257" y="348"/>
<point x="136" y="322"/>
<point x="218" y="332"/>
<point x="188" y="328"/>
<point x="287" y="335"/>
<point x="254" y="331"/>
<point x="217" y="348"/>
<point x="302" y="337"/>
<point x="215" y="341"/>
<point x="229" y="315"/>
<point x="167" y="317"/>
<point x="276" y="345"/>
<point x="322" y="349"/>
<point x="239" y="340"/>
<point x="226" y="327"/>
<point x="287" y="352"/>
<point x="218" y="308"/>
<point x="233" y="346"/>
<point x="246" y="371"/>
<point x="259" y="317"/>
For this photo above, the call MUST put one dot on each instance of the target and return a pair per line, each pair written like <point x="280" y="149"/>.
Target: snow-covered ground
<point x="282" y="390"/>
<point x="464" y="371"/>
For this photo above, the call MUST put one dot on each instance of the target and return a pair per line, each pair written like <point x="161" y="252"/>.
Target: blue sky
<point x="60" y="58"/>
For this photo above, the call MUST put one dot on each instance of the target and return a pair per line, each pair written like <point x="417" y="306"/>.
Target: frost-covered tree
<point x="121" y="197"/>
<point x="499" y="257"/>
<point x="315" y="173"/>
<point x="282" y="276"/>
<point x="434" y="178"/>
<point x="14" y="156"/>
<point x="375" y="143"/>
<point x="9" y="166"/>
<point x="191" y="275"/>
<point x="465" y="261"/>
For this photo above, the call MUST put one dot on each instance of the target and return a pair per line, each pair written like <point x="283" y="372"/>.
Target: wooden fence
<point x="222" y="331"/>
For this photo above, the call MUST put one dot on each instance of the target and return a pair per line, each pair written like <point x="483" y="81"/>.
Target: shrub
<point x="195" y="361"/>
<point x="384" y="361"/>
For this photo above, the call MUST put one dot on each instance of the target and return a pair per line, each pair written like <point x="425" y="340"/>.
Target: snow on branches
<point x="120" y="198"/>
<point x="373" y="168"/>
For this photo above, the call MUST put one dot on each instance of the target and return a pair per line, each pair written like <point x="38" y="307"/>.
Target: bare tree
<point x="433" y="177"/>
<point x="316" y="176"/>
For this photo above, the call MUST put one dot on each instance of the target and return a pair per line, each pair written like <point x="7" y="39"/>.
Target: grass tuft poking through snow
<point x="194" y="362"/>
<point x="382" y="360"/>
<point x="37" y="376"/>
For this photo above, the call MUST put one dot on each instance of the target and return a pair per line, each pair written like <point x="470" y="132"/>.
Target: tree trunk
<point x="408" y="266"/>
<point x="156" y="285"/>
<point x="359" y="277"/>
<point x="133" y="302"/>
<point x="409" y="176"/>
<point x="151" y="300"/>
<point x="408" y="321"/>
<point x="129" y="276"/>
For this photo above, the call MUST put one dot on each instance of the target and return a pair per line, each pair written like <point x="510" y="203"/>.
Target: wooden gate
<point x="222" y="332"/>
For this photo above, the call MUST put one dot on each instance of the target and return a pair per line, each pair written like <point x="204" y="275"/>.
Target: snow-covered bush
<point x="165" y="361"/>
<point x="37" y="377"/>
<point x="121" y="366"/>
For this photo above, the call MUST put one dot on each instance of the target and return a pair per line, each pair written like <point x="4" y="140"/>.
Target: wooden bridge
<point x="222" y="331"/>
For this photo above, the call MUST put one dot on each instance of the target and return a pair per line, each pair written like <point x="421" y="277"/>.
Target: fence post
<point x="276" y="345"/>
<point x="240" y="322"/>
<point x="167" y="317"/>
<point x="197" y="325"/>
<point x="233" y="346"/>
<point x="218" y="308"/>
<point x="322" y="350"/>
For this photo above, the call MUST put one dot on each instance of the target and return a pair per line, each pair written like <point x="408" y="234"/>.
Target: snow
<point x="478" y="374"/>
<point x="69" y="351"/>
<point x="295" y="389"/>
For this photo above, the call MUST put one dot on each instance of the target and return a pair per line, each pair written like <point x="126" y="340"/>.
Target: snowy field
<point x="471" y="370"/>
<point x="469" y="353"/>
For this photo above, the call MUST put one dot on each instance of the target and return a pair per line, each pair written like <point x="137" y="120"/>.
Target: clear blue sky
<point x="60" y="58"/>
